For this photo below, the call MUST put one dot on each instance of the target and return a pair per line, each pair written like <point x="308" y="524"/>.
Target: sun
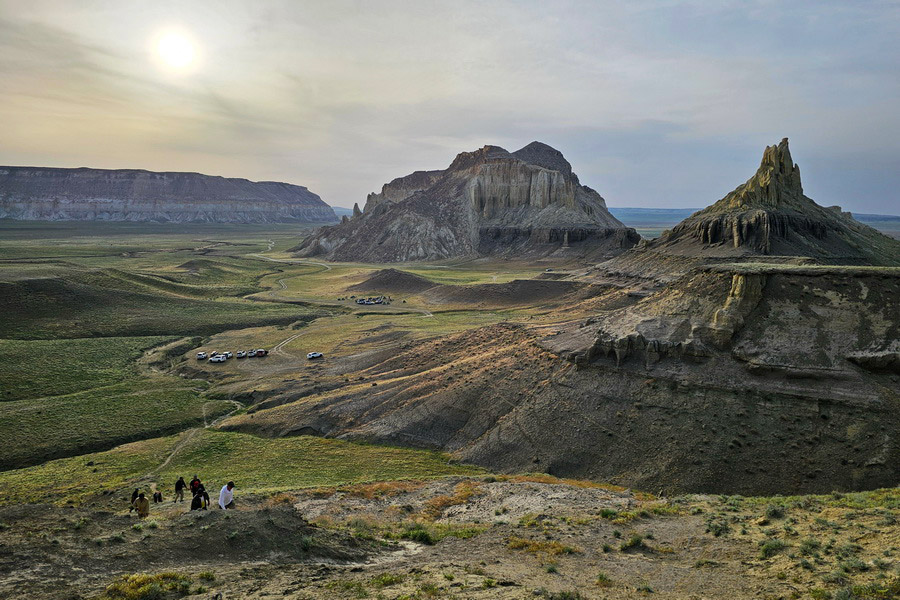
<point x="176" y="51"/>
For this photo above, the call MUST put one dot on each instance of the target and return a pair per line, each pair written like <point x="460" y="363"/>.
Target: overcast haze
<point x="656" y="104"/>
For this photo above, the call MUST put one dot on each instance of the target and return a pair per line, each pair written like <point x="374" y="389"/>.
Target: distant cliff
<point x="50" y="194"/>
<point x="487" y="202"/>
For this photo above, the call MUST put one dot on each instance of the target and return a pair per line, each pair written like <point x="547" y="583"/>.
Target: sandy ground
<point x="521" y="537"/>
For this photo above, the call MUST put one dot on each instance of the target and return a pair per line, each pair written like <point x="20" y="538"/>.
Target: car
<point x="251" y="353"/>
<point x="217" y="358"/>
<point x="261" y="352"/>
<point x="227" y="354"/>
<point x="241" y="354"/>
<point x="202" y="355"/>
<point x="312" y="355"/>
<point x="214" y="353"/>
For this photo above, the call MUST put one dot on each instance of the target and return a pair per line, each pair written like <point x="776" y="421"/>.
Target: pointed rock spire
<point x="776" y="183"/>
<point x="356" y="211"/>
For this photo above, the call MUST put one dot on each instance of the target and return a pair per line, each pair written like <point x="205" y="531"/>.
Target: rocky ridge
<point x="488" y="202"/>
<point x="769" y="215"/>
<point x="51" y="194"/>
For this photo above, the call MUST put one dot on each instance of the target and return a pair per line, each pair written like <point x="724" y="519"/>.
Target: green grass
<point x="98" y="419"/>
<point x="97" y="305"/>
<point x="257" y="465"/>
<point x="38" y="368"/>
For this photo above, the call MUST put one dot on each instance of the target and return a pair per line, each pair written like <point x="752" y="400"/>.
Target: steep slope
<point x="49" y="194"/>
<point x="770" y="216"/>
<point x="734" y="380"/>
<point x="488" y="202"/>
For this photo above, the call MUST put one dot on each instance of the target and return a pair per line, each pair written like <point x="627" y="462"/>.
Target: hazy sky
<point x="663" y="104"/>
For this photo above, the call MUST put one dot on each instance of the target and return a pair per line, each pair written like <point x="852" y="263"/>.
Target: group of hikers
<point x="199" y="497"/>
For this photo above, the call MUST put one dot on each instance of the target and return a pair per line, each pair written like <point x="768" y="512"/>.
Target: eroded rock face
<point x="487" y="202"/>
<point x="770" y="216"/>
<point x="48" y="194"/>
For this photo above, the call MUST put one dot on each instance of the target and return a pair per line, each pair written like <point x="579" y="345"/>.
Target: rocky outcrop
<point x="488" y="202"/>
<point x="770" y="216"/>
<point x="733" y="379"/>
<point x="49" y="194"/>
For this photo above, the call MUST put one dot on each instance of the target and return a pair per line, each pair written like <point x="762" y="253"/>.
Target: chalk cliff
<point x="50" y="194"/>
<point x="487" y="202"/>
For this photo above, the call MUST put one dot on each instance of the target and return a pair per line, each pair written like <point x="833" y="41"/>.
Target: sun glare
<point x="176" y="51"/>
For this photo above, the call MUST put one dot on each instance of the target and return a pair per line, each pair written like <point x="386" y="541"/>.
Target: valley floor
<point x="102" y="394"/>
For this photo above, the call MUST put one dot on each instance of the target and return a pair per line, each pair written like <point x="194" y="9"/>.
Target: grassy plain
<point x="84" y="301"/>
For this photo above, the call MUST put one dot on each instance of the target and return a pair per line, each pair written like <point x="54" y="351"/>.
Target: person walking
<point x="142" y="505"/>
<point x="179" y="490"/>
<point x="226" y="496"/>
<point x="195" y="483"/>
<point x="134" y="496"/>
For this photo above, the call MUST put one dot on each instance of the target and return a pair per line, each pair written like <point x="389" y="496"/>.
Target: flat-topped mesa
<point x="770" y="215"/>
<point x="489" y="201"/>
<point x="52" y="194"/>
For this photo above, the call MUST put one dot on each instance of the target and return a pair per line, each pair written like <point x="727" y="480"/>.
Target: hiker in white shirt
<point x="226" y="496"/>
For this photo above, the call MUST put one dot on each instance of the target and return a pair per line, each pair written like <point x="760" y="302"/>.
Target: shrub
<point x="771" y="547"/>
<point x="387" y="579"/>
<point x="635" y="542"/>
<point x="603" y="580"/>
<point x="207" y="576"/>
<point x="717" y="527"/>
<point x="417" y="533"/>
<point x="775" y="511"/>
<point x="142" y="586"/>
<point x="810" y="547"/>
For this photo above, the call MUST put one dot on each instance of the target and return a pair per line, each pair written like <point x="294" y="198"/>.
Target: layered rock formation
<point x="770" y="216"/>
<point x="487" y="202"/>
<point x="730" y="380"/>
<point x="50" y="194"/>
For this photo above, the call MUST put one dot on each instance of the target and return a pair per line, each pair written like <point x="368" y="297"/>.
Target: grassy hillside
<point x="257" y="465"/>
<point x="38" y="368"/>
<point x="39" y="429"/>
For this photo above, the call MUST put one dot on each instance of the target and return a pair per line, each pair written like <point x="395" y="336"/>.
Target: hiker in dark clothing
<point x="179" y="490"/>
<point x="134" y="496"/>
<point x="195" y="483"/>
<point x="201" y="499"/>
<point x="157" y="497"/>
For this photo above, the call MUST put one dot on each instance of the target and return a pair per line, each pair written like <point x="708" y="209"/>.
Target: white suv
<point x="217" y="358"/>
<point x="202" y="355"/>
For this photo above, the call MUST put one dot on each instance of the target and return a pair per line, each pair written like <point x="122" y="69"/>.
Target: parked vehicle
<point x="228" y="354"/>
<point x="214" y="353"/>
<point x="217" y="358"/>
<point x="251" y="353"/>
<point x="202" y="356"/>
<point x="261" y="352"/>
<point x="241" y="354"/>
<point x="313" y="355"/>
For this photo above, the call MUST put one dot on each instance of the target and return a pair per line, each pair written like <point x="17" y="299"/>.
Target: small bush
<point x="387" y="579"/>
<point x="417" y="533"/>
<point x="810" y="547"/>
<point x="635" y="542"/>
<point x="142" y="586"/>
<point x="771" y="547"/>
<point x="552" y="568"/>
<point x="717" y="527"/>
<point x="775" y="511"/>
<point x="603" y="580"/>
<point x="207" y="576"/>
